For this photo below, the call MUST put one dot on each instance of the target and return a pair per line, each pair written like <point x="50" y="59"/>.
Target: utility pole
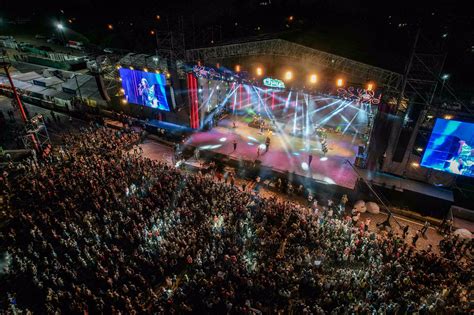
<point x="78" y="87"/>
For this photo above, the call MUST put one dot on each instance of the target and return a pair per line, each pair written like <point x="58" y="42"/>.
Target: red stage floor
<point x="286" y="153"/>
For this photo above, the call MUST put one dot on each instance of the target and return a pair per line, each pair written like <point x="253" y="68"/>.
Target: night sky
<point x="379" y="33"/>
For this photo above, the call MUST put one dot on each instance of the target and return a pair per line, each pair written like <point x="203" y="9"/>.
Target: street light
<point x="259" y="71"/>
<point x="155" y="33"/>
<point x="313" y="79"/>
<point x="445" y="76"/>
<point x="62" y="36"/>
<point x="340" y="82"/>
<point x="288" y="75"/>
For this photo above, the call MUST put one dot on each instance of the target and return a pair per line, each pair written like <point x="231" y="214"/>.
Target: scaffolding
<point x="422" y="85"/>
<point x="36" y="136"/>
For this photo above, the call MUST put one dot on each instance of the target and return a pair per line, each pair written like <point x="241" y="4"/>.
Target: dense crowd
<point x="97" y="228"/>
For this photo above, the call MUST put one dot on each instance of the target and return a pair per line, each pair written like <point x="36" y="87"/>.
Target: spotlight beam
<point x="350" y="123"/>
<point x="334" y="113"/>
<point x="287" y="101"/>
<point x="296" y="114"/>
<point x="205" y="104"/>
<point x="286" y="143"/>
<point x="325" y="106"/>
<point x="227" y="97"/>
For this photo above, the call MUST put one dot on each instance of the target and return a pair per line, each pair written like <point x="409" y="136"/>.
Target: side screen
<point x="450" y="148"/>
<point x="144" y="88"/>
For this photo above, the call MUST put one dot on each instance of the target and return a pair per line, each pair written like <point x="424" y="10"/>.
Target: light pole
<point x="444" y="78"/>
<point x="60" y="28"/>
<point x="154" y="33"/>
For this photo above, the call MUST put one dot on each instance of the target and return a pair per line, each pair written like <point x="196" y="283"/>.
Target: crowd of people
<point x="96" y="228"/>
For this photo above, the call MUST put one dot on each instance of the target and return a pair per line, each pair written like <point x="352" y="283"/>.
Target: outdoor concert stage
<point x="286" y="153"/>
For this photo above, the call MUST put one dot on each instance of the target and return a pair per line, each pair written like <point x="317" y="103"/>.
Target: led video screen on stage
<point x="450" y="148"/>
<point x="144" y="88"/>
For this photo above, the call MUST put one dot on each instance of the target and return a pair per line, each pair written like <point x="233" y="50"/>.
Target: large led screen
<point x="450" y="148"/>
<point x="144" y="88"/>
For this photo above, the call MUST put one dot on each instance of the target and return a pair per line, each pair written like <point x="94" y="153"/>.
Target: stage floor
<point x="286" y="152"/>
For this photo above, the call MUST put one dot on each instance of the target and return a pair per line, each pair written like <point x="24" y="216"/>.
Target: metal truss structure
<point x="427" y="92"/>
<point x="106" y="68"/>
<point x="141" y="61"/>
<point x="422" y="76"/>
<point x="208" y="35"/>
<point x="278" y="47"/>
<point x="36" y="136"/>
<point x="171" y="45"/>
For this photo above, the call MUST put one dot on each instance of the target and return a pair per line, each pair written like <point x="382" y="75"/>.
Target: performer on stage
<point x="262" y="126"/>
<point x="463" y="164"/>
<point x="143" y="90"/>
<point x="148" y="93"/>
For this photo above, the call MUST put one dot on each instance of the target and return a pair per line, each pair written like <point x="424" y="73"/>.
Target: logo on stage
<point x="270" y="82"/>
<point x="359" y="95"/>
<point x="208" y="73"/>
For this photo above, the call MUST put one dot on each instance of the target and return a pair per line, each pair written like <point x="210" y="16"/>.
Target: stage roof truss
<point x="283" y="48"/>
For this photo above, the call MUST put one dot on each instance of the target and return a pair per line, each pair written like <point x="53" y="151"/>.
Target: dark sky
<point x="376" y="32"/>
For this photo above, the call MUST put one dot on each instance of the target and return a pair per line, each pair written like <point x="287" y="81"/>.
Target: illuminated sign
<point x="270" y="82"/>
<point x="359" y="95"/>
<point x="208" y="73"/>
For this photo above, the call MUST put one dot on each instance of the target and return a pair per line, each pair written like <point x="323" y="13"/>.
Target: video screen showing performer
<point x="462" y="163"/>
<point x="144" y="88"/>
<point x="450" y="148"/>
